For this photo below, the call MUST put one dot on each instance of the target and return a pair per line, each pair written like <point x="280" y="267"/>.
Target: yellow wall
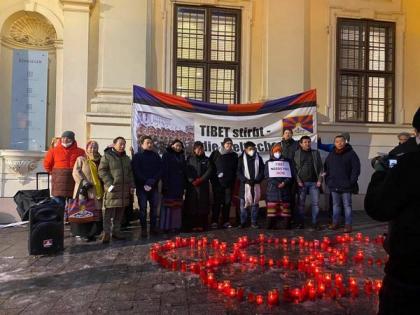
<point x="411" y="9"/>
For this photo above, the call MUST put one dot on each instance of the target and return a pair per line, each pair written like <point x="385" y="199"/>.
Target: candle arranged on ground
<point x="315" y="262"/>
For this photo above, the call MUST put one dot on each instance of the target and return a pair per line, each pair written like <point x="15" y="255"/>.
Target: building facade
<point x="360" y="56"/>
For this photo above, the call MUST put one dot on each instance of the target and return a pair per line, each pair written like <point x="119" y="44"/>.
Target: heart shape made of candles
<point x="315" y="263"/>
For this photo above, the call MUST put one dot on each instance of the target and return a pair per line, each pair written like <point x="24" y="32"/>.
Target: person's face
<point x="92" y="148"/>
<point x="339" y="143"/>
<point x="287" y="135"/>
<point x="66" y="140"/>
<point x="147" y="144"/>
<point x="250" y="151"/>
<point x="199" y="151"/>
<point x="305" y="144"/>
<point x="228" y="146"/>
<point x="119" y="146"/>
<point x="177" y="147"/>
<point x="403" y="139"/>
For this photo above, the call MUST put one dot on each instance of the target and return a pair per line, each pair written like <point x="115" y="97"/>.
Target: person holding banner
<point x="250" y="174"/>
<point x="197" y="202"/>
<point x="280" y="176"/>
<point x="309" y="171"/>
<point x="173" y="186"/>
<point x="225" y="162"/>
<point x="147" y="169"/>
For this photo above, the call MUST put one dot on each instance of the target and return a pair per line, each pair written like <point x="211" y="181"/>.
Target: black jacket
<point x="289" y="148"/>
<point x="317" y="163"/>
<point x="251" y="167"/>
<point x="147" y="168"/>
<point x="226" y="164"/>
<point x="173" y="174"/>
<point x="394" y="196"/>
<point x="342" y="170"/>
<point x="409" y="146"/>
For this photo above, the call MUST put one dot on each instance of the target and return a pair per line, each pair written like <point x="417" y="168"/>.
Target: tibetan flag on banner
<point x="166" y="117"/>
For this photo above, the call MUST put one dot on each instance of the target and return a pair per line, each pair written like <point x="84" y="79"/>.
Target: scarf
<point x="95" y="178"/>
<point x="249" y="199"/>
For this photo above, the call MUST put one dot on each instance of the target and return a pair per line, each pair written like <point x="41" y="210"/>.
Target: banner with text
<point x="166" y="117"/>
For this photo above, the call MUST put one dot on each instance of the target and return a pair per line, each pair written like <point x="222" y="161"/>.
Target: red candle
<point x="259" y="299"/>
<point x="359" y="256"/>
<point x="311" y="293"/>
<point x="286" y="293"/>
<point x="377" y="286"/>
<point x="183" y="266"/>
<point x="285" y="261"/>
<point x="284" y="241"/>
<point x="273" y="297"/>
<point x="338" y="280"/>
<point x="251" y="297"/>
<point x="296" y="294"/>
<point x="321" y="289"/>
<point x="368" y="287"/>
<point x="271" y="262"/>
<point x="240" y="294"/>
<point x="232" y="292"/>
<point x="359" y="236"/>
<point x="210" y="278"/>
<point x="262" y="260"/>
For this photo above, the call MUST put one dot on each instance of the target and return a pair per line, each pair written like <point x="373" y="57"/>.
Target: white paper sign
<point x="279" y="169"/>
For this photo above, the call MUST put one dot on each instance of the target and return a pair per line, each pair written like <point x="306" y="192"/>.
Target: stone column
<point x="72" y="115"/>
<point x="286" y="47"/>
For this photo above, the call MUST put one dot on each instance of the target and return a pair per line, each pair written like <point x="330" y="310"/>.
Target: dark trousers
<point x="152" y="198"/>
<point x="222" y="198"/>
<point x="396" y="298"/>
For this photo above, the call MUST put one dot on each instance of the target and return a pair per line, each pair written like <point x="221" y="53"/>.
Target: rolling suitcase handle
<point x="37" y="179"/>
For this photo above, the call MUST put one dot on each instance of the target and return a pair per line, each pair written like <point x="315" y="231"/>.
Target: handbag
<point x="82" y="210"/>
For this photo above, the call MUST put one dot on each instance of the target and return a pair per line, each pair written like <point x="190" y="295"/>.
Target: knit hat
<point x="276" y="148"/>
<point x="249" y="144"/>
<point x="227" y="139"/>
<point x="68" y="134"/>
<point x="416" y="120"/>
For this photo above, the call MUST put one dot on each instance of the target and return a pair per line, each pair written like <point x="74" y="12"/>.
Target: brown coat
<point x="82" y="174"/>
<point x="62" y="182"/>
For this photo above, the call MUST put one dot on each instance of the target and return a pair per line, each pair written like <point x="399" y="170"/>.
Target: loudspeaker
<point x="46" y="228"/>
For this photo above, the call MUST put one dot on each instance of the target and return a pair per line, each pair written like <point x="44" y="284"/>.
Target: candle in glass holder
<point x="271" y="262"/>
<point x="321" y="289"/>
<point x="312" y="293"/>
<point x="232" y="292"/>
<point x="285" y="261"/>
<point x="259" y="299"/>
<point x="215" y="243"/>
<point x="240" y="293"/>
<point x="286" y="293"/>
<point x="359" y="256"/>
<point x="296" y="294"/>
<point x="273" y="297"/>
<point x="183" y="266"/>
<point x="377" y="286"/>
<point x="338" y="280"/>
<point x="251" y="297"/>
<point x="262" y="260"/>
<point x="368" y="287"/>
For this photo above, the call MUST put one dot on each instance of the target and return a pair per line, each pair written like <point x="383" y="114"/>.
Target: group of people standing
<point x="184" y="194"/>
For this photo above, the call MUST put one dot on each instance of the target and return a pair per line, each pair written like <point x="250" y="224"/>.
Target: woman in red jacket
<point x="59" y="162"/>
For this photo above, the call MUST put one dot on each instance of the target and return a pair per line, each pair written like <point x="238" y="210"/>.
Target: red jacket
<point x="59" y="161"/>
<point x="61" y="157"/>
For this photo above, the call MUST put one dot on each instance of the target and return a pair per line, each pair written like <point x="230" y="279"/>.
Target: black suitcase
<point x="25" y="199"/>
<point x="46" y="228"/>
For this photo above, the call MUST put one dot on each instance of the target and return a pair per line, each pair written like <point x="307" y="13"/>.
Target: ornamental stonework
<point x="32" y="31"/>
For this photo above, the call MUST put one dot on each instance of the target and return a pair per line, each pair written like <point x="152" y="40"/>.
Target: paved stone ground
<point x="91" y="278"/>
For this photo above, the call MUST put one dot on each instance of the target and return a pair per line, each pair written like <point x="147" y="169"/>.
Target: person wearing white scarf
<point x="250" y="174"/>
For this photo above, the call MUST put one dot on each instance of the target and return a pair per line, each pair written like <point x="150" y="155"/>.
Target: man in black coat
<point x="342" y="168"/>
<point x="147" y="169"/>
<point x="225" y="162"/>
<point x="392" y="196"/>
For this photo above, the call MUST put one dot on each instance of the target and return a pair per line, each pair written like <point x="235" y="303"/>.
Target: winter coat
<point x="147" y="168"/>
<point x="197" y="198"/>
<point x="115" y="169"/>
<point x="394" y="196"/>
<point x="173" y="174"/>
<point x="409" y="146"/>
<point x="289" y="147"/>
<point x="82" y="175"/>
<point x="251" y="166"/>
<point x="342" y="170"/>
<point x="59" y="161"/>
<point x="273" y="193"/>
<point x="225" y="163"/>
<point x="317" y="164"/>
